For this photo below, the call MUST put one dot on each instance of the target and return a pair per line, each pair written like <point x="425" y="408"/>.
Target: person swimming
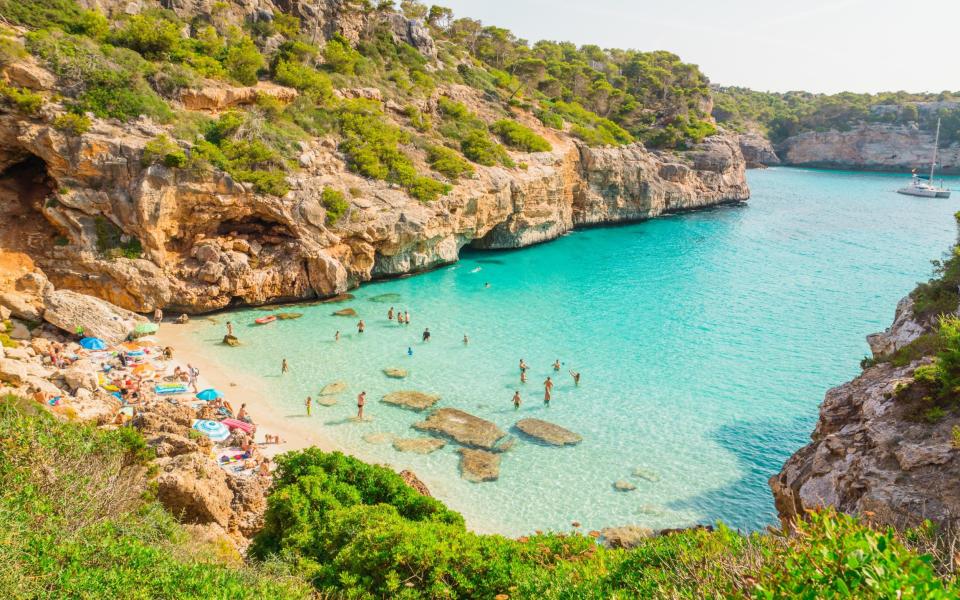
<point x="361" y="326"/>
<point x="426" y="334"/>
<point x="576" y="377"/>
<point x="556" y="365"/>
<point x="409" y="351"/>
<point x="516" y="400"/>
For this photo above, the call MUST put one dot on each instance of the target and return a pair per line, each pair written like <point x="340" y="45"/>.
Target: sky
<point x="773" y="45"/>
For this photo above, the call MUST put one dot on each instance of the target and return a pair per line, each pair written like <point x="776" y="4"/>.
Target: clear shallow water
<point x="706" y="342"/>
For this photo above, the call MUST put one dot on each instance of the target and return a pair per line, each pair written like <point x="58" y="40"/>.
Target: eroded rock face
<point x="68" y="310"/>
<point x="411" y="399"/>
<point x="195" y="489"/>
<point x="905" y="329"/>
<point x="479" y="465"/>
<point x="462" y="427"/>
<point x="548" y="432"/>
<point x="757" y="151"/>
<point x="871" y="452"/>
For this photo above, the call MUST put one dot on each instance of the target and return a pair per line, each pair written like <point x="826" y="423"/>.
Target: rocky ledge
<point x="548" y="432"/>
<point x="872" y="451"/>
<point x="463" y="428"/>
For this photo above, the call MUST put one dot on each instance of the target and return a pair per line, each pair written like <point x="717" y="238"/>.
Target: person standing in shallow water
<point x="390" y="314"/>
<point x="336" y="336"/>
<point x="576" y="377"/>
<point x="399" y="318"/>
<point x="547" y="388"/>
<point x="426" y="334"/>
<point x="466" y="340"/>
<point x="284" y="367"/>
<point x="516" y="400"/>
<point x="361" y="400"/>
<point x="556" y="365"/>
<point x="406" y="317"/>
<point x="229" y="328"/>
<point x="308" y="403"/>
<point x="523" y="376"/>
<point x="361" y="326"/>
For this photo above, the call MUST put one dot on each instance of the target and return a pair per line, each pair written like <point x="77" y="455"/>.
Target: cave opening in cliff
<point x="257" y="228"/>
<point x="25" y="188"/>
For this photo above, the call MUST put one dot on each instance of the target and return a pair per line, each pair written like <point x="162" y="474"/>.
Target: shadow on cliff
<point x="760" y="448"/>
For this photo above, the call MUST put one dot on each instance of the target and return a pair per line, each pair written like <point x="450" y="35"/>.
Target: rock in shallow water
<point x="463" y="427"/>
<point x="333" y="388"/>
<point x="479" y="465"/>
<point x="395" y="373"/>
<point x="548" y="432"/>
<point x="326" y="400"/>
<point x="624" y="486"/>
<point x="411" y="399"/>
<point x="380" y="437"/>
<point x="231" y="340"/>
<point x="345" y="312"/>
<point x="418" y="445"/>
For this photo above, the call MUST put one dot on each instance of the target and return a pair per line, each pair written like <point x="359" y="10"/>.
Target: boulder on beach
<point x="381" y="437"/>
<point x="418" y="445"/>
<point x="411" y="399"/>
<point x="463" y="427"/>
<point x="625" y="537"/>
<point x="326" y="400"/>
<point x="479" y="465"/>
<point x="395" y="373"/>
<point x="624" y="486"/>
<point x="286" y="316"/>
<point x="333" y="388"/>
<point x="231" y="340"/>
<point x="548" y="432"/>
<point x="68" y="310"/>
<point x="345" y="312"/>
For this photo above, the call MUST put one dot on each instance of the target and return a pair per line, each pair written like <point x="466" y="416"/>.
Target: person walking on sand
<point x="229" y="328"/>
<point x="308" y="402"/>
<point x="336" y="336"/>
<point x="193" y="374"/>
<point x="576" y="377"/>
<point x="390" y="314"/>
<point x="547" y="388"/>
<point x="361" y="326"/>
<point x="284" y="367"/>
<point x="516" y="400"/>
<point x="426" y="334"/>
<point x="556" y="365"/>
<point x="361" y="400"/>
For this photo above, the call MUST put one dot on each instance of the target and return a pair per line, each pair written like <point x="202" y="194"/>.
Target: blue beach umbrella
<point x="215" y="430"/>
<point x="209" y="394"/>
<point x="92" y="343"/>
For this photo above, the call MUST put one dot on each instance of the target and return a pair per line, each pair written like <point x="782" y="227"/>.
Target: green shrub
<point x="418" y="120"/>
<point x="111" y="241"/>
<point x="334" y="203"/>
<point x="304" y="78"/>
<point x="162" y="149"/>
<point x="339" y="56"/>
<point x="10" y="49"/>
<point x="46" y="14"/>
<point x="22" y="99"/>
<point x="939" y="296"/>
<point x="243" y="60"/>
<point x="72" y="123"/>
<point x="448" y="162"/>
<point x="549" y="118"/>
<point x="478" y="147"/>
<point x="153" y="36"/>
<point x="520" y="137"/>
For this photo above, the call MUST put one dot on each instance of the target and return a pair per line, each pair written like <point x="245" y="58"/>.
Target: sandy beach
<point x="238" y="389"/>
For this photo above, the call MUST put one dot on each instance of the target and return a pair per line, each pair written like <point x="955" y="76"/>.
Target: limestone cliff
<point x="209" y="242"/>
<point x="873" y="450"/>
<point x="868" y="146"/>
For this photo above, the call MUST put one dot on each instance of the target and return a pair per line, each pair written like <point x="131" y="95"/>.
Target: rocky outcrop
<point x="905" y="329"/>
<point x="625" y="537"/>
<point x="462" y="427"/>
<point x="69" y="310"/>
<point x="411" y="479"/>
<point x="216" y="98"/>
<point x="195" y="490"/>
<point x="548" y="432"/>
<point x="868" y="146"/>
<point x="873" y="451"/>
<point x="411" y="399"/>
<point x="757" y="151"/>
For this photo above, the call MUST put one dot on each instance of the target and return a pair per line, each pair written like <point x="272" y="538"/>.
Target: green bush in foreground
<point x="356" y="529"/>
<point x="74" y="521"/>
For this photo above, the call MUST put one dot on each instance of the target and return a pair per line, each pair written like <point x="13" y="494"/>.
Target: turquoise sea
<point x="706" y="342"/>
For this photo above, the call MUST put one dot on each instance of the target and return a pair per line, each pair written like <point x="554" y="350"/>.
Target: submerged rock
<point x="381" y="437"/>
<point x="335" y="299"/>
<point x="395" y="373"/>
<point x="644" y="473"/>
<point x="333" y="388"/>
<point x="285" y="316"/>
<point x="479" y="465"/>
<point x="418" y="445"/>
<point x="624" y="486"/>
<point x="383" y="298"/>
<point x="463" y="427"/>
<point x="326" y="400"/>
<point x="345" y="312"/>
<point x="626" y="537"/>
<point x="548" y="432"/>
<point x="411" y="399"/>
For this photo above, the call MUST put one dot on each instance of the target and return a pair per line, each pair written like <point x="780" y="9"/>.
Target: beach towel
<point x="237" y="424"/>
<point x="170" y="388"/>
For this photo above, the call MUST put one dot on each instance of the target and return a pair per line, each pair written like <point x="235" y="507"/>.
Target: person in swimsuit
<point x="409" y="351"/>
<point x="576" y="377"/>
<point x="406" y="317"/>
<point x="284" y="367"/>
<point x="399" y="318"/>
<point x="426" y="334"/>
<point x="465" y="340"/>
<point x="336" y="336"/>
<point x="523" y="366"/>
<point x="308" y="403"/>
<point x="516" y="400"/>
<point x="523" y="376"/>
<point x="547" y="388"/>
<point x="361" y="326"/>
<point x="556" y="365"/>
<point x="229" y="328"/>
<point x="390" y="314"/>
<point x="361" y="400"/>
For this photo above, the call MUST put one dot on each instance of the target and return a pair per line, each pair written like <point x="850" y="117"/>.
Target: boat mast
<point x="936" y="142"/>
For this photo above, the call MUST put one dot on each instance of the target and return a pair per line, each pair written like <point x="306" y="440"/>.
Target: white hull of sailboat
<point x="923" y="193"/>
<point x="943" y="194"/>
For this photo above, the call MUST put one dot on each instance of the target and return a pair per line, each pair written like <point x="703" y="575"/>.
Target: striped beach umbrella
<point x="215" y="430"/>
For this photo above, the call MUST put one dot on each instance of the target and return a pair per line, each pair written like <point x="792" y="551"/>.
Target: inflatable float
<point x="265" y="320"/>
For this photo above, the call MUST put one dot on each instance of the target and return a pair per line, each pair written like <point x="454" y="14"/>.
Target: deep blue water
<point x="705" y="341"/>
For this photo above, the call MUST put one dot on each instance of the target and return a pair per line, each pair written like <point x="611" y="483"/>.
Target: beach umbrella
<point x="145" y="328"/>
<point x="209" y="394"/>
<point x="215" y="430"/>
<point x="92" y="343"/>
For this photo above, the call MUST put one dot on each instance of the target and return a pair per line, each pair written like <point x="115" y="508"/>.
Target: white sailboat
<point x="925" y="187"/>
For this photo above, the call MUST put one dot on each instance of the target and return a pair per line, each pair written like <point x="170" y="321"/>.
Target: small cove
<point x="705" y="341"/>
